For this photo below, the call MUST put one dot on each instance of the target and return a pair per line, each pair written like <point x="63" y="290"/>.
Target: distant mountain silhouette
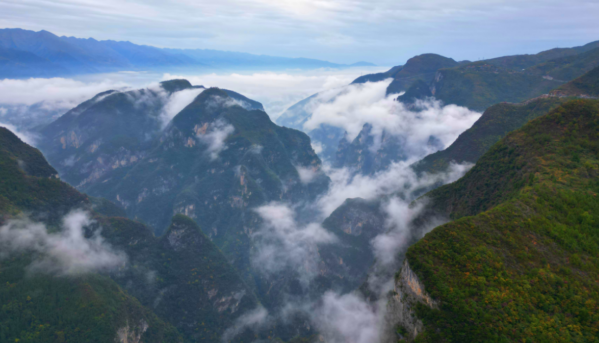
<point x="26" y="53"/>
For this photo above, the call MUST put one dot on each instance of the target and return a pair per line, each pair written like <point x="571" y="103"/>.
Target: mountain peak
<point x="176" y="85"/>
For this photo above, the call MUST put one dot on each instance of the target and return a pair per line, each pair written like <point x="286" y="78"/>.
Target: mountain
<point x="180" y="279"/>
<point x="217" y="161"/>
<point x="359" y="156"/>
<point x="521" y="249"/>
<point x="419" y="90"/>
<point x="568" y="68"/>
<point x="479" y="86"/>
<point x="362" y="64"/>
<point x="111" y="128"/>
<point x="26" y="53"/>
<point x="379" y="76"/>
<point x="584" y="86"/>
<point x="38" y="307"/>
<point x="496" y="122"/>
<point x="520" y="62"/>
<point x="418" y="68"/>
<point x="182" y="276"/>
<point x="355" y="224"/>
<point x="482" y="84"/>
<point x="500" y="119"/>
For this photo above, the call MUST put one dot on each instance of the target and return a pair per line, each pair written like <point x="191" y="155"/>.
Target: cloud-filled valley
<point x="292" y="206"/>
<point x="286" y="240"/>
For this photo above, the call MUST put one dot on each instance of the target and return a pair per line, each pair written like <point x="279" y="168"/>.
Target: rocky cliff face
<point x="401" y="320"/>
<point x="131" y="333"/>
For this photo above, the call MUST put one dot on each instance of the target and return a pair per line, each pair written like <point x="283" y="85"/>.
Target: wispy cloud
<point x="284" y="244"/>
<point x="67" y="252"/>
<point x="277" y="91"/>
<point x="351" y="107"/>
<point x="215" y="137"/>
<point x="25" y="136"/>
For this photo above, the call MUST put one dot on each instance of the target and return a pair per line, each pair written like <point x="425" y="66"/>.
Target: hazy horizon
<point x="380" y="32"/>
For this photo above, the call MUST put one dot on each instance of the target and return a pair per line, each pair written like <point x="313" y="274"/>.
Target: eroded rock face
<point x="131" y="333"/>
<point x="408" y="291"/>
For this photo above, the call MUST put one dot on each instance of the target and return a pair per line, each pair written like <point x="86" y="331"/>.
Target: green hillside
<point x="182" y="276"/>
<point x="482" y="84"/>
<point x="519" y="261"/>
<point x="419" y="68"/>
<point x="519" y="62"/>
<point x="568" y="68"/>
<point x="586" y="86"/>
<point x="496" y="122"/>
<point x="42" y="308"/>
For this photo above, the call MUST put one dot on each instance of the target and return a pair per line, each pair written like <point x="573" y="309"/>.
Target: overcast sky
<point x="386" y="32"/>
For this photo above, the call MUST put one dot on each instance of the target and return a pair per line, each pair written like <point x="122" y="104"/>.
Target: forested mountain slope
<point x="519" y="261"/>
<point x="500" y="119"/>
<point x="40" y="307"/>
<point x="178" y="280"/>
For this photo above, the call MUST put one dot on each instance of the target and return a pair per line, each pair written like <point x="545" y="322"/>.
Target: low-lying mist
<point x="64" y="252"/>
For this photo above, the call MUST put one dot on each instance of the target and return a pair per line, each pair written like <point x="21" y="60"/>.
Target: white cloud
<point x="399" y="177"/>
<point x="351" y="107"/>
<point x="25" y="136"/>
<point x="254" y="320"/>
<point x="67" y="252"/>
<point x="177" y="102"/>
<point x="215" y="137"/>
<point x="55" y="93"/>
<point x="317" y="147"/>
<point x="307" y="174"/>
<point x="277" y="91"/>
<point x="348" y="318"/>
<point x="283" y="244"/>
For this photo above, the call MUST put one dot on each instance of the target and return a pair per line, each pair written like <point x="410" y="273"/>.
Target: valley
<point x="439" y="201"/>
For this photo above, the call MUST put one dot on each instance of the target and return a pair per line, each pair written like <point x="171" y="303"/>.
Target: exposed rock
<point x="128" y="334"/>
<point x="408" y="291"/>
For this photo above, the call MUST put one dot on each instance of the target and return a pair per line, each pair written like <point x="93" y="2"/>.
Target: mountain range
<point x="25" y="54"/>
<point x="141" y="217"/>
<point x="474" y="85"/>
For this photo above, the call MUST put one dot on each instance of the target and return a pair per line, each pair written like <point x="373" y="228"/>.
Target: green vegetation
<point x="568" y="68"/>
<point x="519" y="62"/>
<point x="480" y="85"/>
<point x="81" y="309"/>
<point x="355" y="224"/>
<point x="182" y="276"/>
<point x="496" y="122"/>
<point x="419" y="90"/>
<point x="38" y="308"/>
<point x="177" y="174"/>
<point x="586" y="85"/>
<point x="419" y="68"/>
<point x="520" y="260"/>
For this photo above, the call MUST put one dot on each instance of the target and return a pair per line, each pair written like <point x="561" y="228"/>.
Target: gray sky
<point x="386" y="32"/>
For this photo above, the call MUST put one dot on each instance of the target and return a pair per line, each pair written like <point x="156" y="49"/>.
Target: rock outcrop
<point x="400" y="319"/>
